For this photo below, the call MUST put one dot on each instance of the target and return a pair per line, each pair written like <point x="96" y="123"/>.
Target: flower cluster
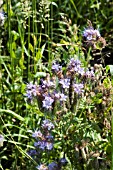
<point x="61" y="87"/>
<point x="31" y="91"/>
<point x="44" y="139"/>
<point x="53" y="165"/>
<point x="91" y="34"/>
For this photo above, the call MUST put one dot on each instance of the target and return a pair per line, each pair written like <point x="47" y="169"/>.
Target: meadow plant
<point x="63" y="96"/>
<point x="69" y="101"/>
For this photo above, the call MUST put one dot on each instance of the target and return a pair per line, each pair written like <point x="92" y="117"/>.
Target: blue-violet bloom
<point x="78" y="88"/>
<point x="56" y="67"/>
<point x="91" y="34"/>
<point x="47" y="102"/>
<point x="65" y="83"/>
<point x="53" y="166"/>
<point x="47" y="125"/>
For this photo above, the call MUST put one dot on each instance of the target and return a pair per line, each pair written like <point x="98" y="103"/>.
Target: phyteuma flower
<point x="31" y="91"/>
<point x="47" y="102"/>
<point x="65" y="83"/>
<point x="47" y="125"/>
<point x="37" y="134"/>
<point x="90" y="34"/>
<point x="78" y="88"/>
<point x="56" y="67"/>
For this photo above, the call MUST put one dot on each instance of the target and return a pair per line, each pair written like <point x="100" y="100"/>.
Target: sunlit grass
<point x="34" y="35"/>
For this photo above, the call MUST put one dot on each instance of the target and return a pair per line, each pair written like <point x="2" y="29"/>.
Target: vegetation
<point x="56" y="78"/>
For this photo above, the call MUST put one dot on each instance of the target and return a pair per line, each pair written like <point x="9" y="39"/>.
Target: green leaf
<point x="12" y="113"/>
<point x="40" y="74"/>
<point x="31" y="47"/>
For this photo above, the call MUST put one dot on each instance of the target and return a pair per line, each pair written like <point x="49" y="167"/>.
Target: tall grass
<point x="35" y="34"/>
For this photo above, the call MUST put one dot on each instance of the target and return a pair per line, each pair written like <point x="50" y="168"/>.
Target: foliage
<point x="55" y="105"/>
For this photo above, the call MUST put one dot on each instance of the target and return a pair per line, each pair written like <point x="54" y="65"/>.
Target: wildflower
<point x="43" y="144"/>
<point x="65" y="83"/>
<point x="47" y="102"/>
<point x="80" y="71"/>
<point x="56" y="68"/>
<point x="49" y="137"/>
<point x="89" y="74"/>
<point x="63" y="161"/>
<point x="2" y="18"/>
<point x="42" y="167"/>
<point x="91" y="34"/>
<point x="78" y="88"/>
<point x="53" y="166"/>
<point x="31" y="91"/>
<point x="49" y="145"/>
<point x="74" y="62"/>
<point x="56" y="95"/>
<point x="1" y="140"/>
<point x="40" y="144"/>
<point x="74" y="66"/>
<point x="47" y="84"/>
<point x="37" y="134"/>
<point x="63" y="97"/>
<point x="47" y="125"/>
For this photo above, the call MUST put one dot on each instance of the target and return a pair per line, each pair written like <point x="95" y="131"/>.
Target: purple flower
<point x="47" y="84"/>
<point x="81" y="71"/>
<point x="90" y="74"/>
<point x="44" y="145"/>
<point x="78" y="88"/>
<point x="31" y="91"/>
<point x="63" y="161"/>
<point x="47" y="125"/>
<point x="56" y="67"/>
<point x="74" y="66"/>
<point x="74" y="62"/>
<point x="42" y="167"/>
<point x="47" y="102"/>
<point x="91" y="34"/>
<point x="49" y="145"/>
<point x="49" y="137"/>
<point x="40" y="144"/>
<point x="56" y="95"/>
<point x="53" y="166"/>
<point x="37" y="134"/>
<point x="63" y="97"/>
<point x="65" y="83"/>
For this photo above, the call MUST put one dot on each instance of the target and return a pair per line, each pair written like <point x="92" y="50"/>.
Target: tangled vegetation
<point x="56" y="78"/>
